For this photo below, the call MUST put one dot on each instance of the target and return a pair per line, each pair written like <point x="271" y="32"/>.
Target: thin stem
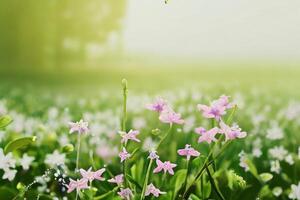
<point x="146" y="179"/>
<point x="125" y="92"/>
<point x="77" y="192"/>
<point x="187" y="173"/>
<point x="164" y="137"/>
<point x="78" y="151"/>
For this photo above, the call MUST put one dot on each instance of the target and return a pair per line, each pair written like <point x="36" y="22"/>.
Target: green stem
<point x="125" y="92"/>
<point x="103" y="196"/>
<point x="78" y="151"/>
<point x="146" y="179"/>
<point x="187" y="173"/>
<point x="164" y="137"/>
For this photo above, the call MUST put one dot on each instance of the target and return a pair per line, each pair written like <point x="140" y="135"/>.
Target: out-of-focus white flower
<point x="55" y="159"/>
<point x="295" y="191"/>
<point x="274" y="132"/>
<point x="63" y="140"/>
<point x="275" y="166"/>
<point x="257" y="119"/>
<point x="256" y="152"/>
<point x="148" y="144"/>
<point x="189" y="124"/>
<point x="9" y="174"/>
<point x="278" y="152"/>
<point x="138" y="123"/>
<point x="3" y="109"/>
<point x="299" y="152"/>
<point x="292" y="111"/>
<point x="289" y="159"/>
<point x="243" y="161"/>
<point x="277" y="191"/>
<point x="6" y="161"/>
<point x="106" y="152"/>
<point x="26" y="161"/>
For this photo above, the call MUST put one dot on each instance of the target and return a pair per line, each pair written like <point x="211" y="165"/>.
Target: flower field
<point x="175" y="143"/>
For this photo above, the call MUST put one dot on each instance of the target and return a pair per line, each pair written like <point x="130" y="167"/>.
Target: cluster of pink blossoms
<point x="166" y="113"/>
<point x="214" y="111"/>
<point x="87" y="177"/>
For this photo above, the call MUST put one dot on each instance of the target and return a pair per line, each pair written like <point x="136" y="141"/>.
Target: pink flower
<point x="124" y="154"/>
<point x="131" y="135"/>
<point x="153" y="155"/>
<point x="217" y="108"/>
<point x="188" y="151"/>
<point x="170" y="117"/>
<point x="125" y="193"/>
<point x="151" y="189"/>
<point x="224" y="101"/>
<point x="80" y="127"/>
<point x="158" y="106"/>
<point x="208" y="136"/>
<point x="166" y="166"/>
<point x="213" y="111"/>
<point x="78" y="185"/>
<point x="117" y="179"/>
<point x="231" y="132"/>
<point x="90" y="175"/>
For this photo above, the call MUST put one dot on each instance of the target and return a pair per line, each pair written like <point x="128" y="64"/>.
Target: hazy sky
<point x="214" y="28"/>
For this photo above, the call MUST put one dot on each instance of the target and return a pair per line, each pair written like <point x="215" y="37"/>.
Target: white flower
<point x="299" y="152"/>
<point x="256" y="152"/>
<point x="274" y="132"/>
<point x="149" y="144"/>
<point x="189" y="124"/>
<point x="9" y="174"/>
<point x="26" y="161"/>
<point x="3" y="109"/>
<point x="138" y="123"/>
<point x="55" y="159"/>
<point x="243" y="161"/>
<point x="275" y="166"/>
<point x="278" y="153"/>
<point x="295" y="193"/>
<point x="289" y="159"/>
<point x="63" y="140"/>
<point x="6" y="161"/>
<point x="277" y="191"/>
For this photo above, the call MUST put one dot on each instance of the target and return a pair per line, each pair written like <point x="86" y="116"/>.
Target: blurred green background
<point x="154" y="45"/>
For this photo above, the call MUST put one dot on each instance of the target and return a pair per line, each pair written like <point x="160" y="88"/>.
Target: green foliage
<point x="5" y="121"/>
<point x="19" y="143"/>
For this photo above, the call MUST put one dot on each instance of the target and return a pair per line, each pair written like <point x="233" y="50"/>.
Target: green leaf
<point x="68" y="148"/>
<point x="5" y="121"/>
<point x="265" y="177"/>
<point x="252" y="168"/>
<point x="180" y="178"/>
<point x="194" y="197"/>
<point x="129" y="178"/>
<point x="18" y="143"/>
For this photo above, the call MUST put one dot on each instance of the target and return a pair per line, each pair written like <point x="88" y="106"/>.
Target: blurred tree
<point x="57" y="33"/>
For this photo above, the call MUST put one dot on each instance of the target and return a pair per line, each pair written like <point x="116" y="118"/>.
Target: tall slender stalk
<point x="78" y="152"/>
<point x="187" y="173"/>
<point x="125" y="92"/>
<point x="146" y="179"/>
<point x="151" y="162"/>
